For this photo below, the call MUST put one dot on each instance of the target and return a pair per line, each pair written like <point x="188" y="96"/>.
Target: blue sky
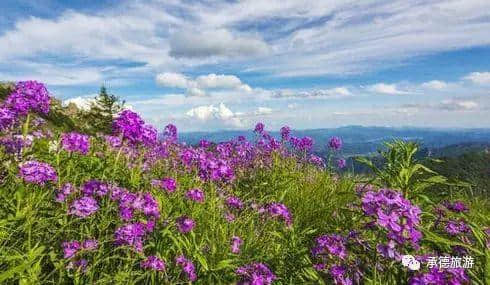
<point x="210" y="65"/>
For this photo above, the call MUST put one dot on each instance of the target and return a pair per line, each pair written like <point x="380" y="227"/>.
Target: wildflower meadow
<point x="135" y="206"/>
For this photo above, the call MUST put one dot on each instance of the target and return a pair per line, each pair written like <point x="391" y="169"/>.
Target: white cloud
<point x="332" y="93"/>
<point x="482" y="78"/>
<point x="197" y="86"/>
<point x="82" y="103"/>
<point x="171" y="79"/>
<point x="383" y="88"/>
<point x="218" y="81"/>
<point x="220" y="42"/>
<point x="458" y="105"/>
<point x="263" y="111"/>
<point x="434" y="84"/>
<point x="221" y="115"/>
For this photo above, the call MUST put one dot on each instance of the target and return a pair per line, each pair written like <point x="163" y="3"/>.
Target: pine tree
<point x="102" y="110"/>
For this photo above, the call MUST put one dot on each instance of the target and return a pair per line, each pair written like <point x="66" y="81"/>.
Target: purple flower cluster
<point x="395" y="214"/>
<point x="168" y="184"/>
<point x="66" y="190"/>
<point x="455" y="228"/>
<point x="113" y="141"/>
<point x="28" y="96"/>
<point x="7" y="118"/>
<point x="153" y="263"/>
<point x="335" y="143"/>
<point x="132" y="128"/>
<point x="170" y="132"/>
<point x="332" y="244"/>
<point x="131" y="235"/>
<point x="187" y="267"/>
<point x="196" y="195"/>
<point x="16" y="143"/>
<point x="316" y="160"/>
<point x="37" y="172"/>
<point x="254" y="274"/>
<point x="259" y="128"/>
<point x="437" y="275"/>
<point x="75" y="142"/>
<point x="95" y="187"/>
<point x="71" y="248"/>
<point x="278" y="210"/>
<point x="285" y="133"/>
<point x="236" y="243"/>
<point x="341" y="163"/>
<point x="456" y="206"/>
<point x="185" y="224"/>
<point x="129" y="203"/>
<point x="83" y="207"/>
<point x="234" y="203"/>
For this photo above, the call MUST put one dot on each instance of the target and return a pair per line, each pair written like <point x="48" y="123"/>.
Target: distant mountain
<point x="359" y="140"/>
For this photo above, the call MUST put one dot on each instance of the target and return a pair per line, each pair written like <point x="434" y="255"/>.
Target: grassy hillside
<point x="131" y="209"/>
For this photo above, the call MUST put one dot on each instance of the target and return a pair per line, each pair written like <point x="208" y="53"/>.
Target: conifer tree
<point x="102" y="110"/>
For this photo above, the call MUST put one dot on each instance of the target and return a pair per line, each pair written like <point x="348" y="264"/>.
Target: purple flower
<point x="388" y="250"/>
<point x="341" y="163"/>
<point x="456" y="206"/>
<point x="170" y="132"/>
<point x="259" y="128"/>
<point x="337" y="272"/>
<point x="305" y="144"/>
<point x="185" y="224"/>
<point x="83" y="207"/>
<point x="131" y="235"/>
<point x="236" y="242"/>
<point x="154" y="263"/>
<point x="15" y="144"/>
<point x="330" y="244"/>
<point x="37" y="172"/>
<point x="204" y="143"/>
<point x="234" y="203"/>
<point x="95" y="187"/>
<point x="169" y="184"/>
<point x="80" y="264"/>
<point x="75" y="142"/>
<point x="335" y="143"/>
<point x="456" y="227"/>
<point x="28" y="96"/>
<point x="113" y="141"/>
<point x="316" y="160"/>
<point x="285" y="132"/>
<point x="90" y="244"/>
<point x="150" y="206"/>
<point x="255" y="274"/>
<point x="132" y="128"/>
<point x="65" y="191"/>
<point x="7" y="118"/>
<point x="195" y="195"/>
<point x="279" y="210"/>
<point x="70" y="248"/>
<point x="440" y="276"/>
<point x="187" y="266"/>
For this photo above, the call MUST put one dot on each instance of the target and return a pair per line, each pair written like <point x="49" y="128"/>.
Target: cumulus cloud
<point x="482" y="78"/>
<point x="222" y="114"/>
<point x="197" y="86"/>
<point x="434" y="84"/>
<point x="82" y="103"/>
<point x="220" y="42"/>
<point x="383" y="88"/>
